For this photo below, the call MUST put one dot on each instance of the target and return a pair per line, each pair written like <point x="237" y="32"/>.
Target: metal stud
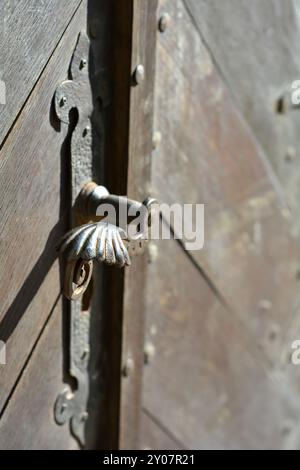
<point x="164" y="22"/>
<point x="156" y="139"/>
<point x="128" y="367"/>
<point x="149" y="353"/>
<point x="290" y="154"/>
<point x="86" y="131"/>
<point x="138" y="74"/>
<point x="63" y="101"/>
<point x="83" y="63"/>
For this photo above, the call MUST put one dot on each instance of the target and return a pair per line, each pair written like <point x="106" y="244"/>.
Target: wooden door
<point x="219" y="322"/>
<point x="185" y="349"/>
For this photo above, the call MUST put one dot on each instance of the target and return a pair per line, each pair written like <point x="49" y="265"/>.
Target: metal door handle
<point x="95" y="239"/>
<point x="100" y="240"/>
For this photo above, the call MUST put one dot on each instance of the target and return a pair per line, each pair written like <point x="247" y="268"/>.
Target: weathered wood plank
<point x="34" y="213"/>
<point x="139" y="151"/>
<point x="257" y="46"/>
<point x="206" y="382"/>
<point x="28" y="421"/>
<point x="208" y="155"/>
<point x="115" y="178"/>
<point x="29" y="32"/>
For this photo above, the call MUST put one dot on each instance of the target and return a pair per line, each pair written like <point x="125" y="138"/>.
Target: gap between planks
<point x="164" y="429"/>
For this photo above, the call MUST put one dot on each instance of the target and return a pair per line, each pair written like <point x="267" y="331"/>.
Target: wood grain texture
<point x="140" y="147"/>
<point x="206" y="383"/>
<point x="153" y="437"/>
<point x="208" y="155"/>
<point x="28" y="421"/>
<point x="102" y="427"/>
<point x="34" y="213"/>
<point x="115" y="179"/>
<point x="29" y="32"/>
<point x="256" y="45"/>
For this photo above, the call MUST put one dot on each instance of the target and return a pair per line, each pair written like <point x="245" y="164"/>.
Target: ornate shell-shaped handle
<point x="97" y="241"/>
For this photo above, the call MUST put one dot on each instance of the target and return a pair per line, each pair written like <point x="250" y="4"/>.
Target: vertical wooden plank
<point x="140" y="147"/>
<point x="127" y="171"/>
<point x="115" y="178"/>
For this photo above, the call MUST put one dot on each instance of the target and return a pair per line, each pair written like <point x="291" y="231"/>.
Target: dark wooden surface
<point x="221" y="319"/>
<point x="35" y="178"/>
<point x="29" y="32"/>
<point x="215" y="326"/>
<point x="115" y="178"/>
<point x="140" y="147"/>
